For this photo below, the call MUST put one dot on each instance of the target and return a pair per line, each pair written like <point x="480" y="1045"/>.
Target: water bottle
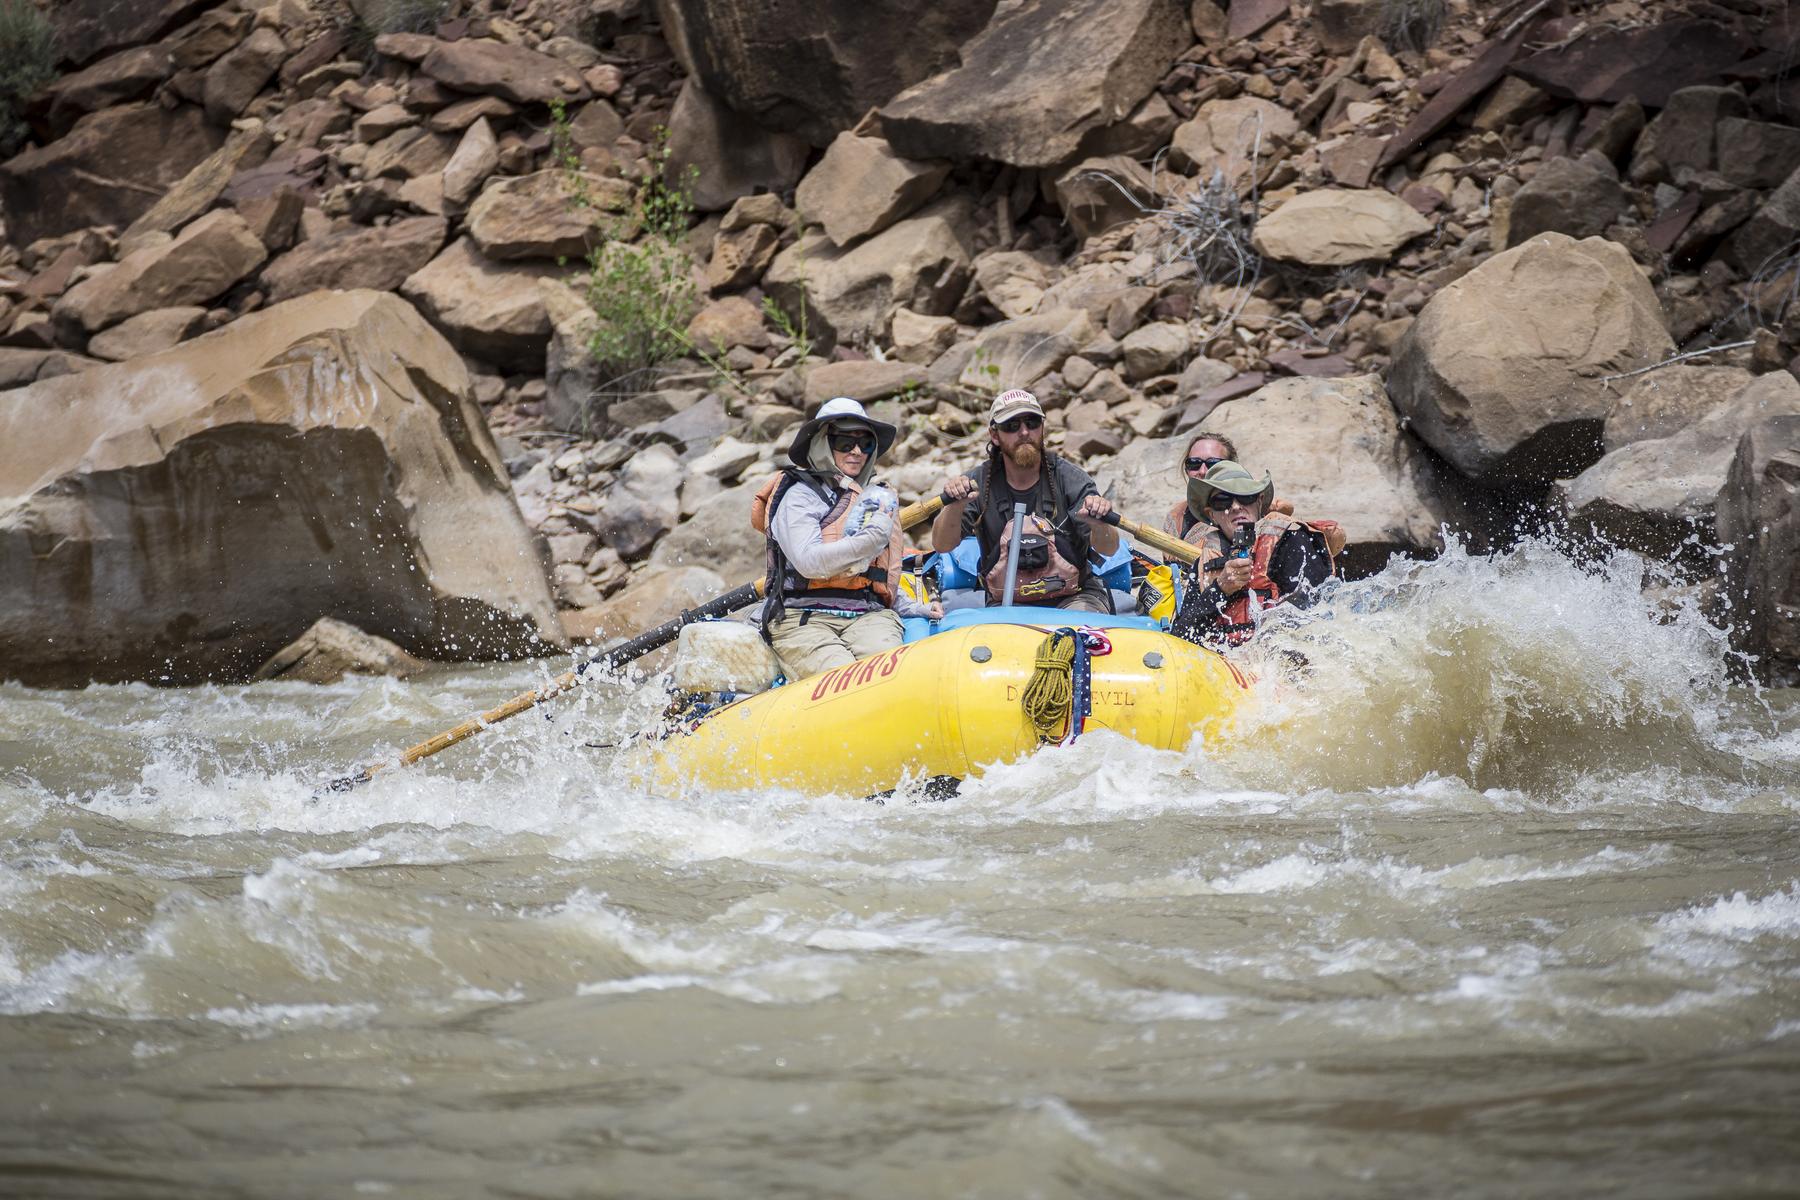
<point x="873" y="500"/>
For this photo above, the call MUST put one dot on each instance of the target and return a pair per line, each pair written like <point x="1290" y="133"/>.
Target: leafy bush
<point x="27" y="63"/>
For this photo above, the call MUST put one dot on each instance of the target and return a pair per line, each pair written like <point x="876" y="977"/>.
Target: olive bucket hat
<point x="1231" y="478"/>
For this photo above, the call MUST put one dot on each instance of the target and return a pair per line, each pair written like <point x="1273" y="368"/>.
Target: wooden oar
<point x="910" y="516"/>
<point x="1170" y="545"/>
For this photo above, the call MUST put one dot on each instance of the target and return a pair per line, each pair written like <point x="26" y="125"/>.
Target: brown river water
<point x="1502" y="899"/>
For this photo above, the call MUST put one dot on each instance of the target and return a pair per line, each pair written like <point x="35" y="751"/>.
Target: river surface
<point x="1503" y="899"/>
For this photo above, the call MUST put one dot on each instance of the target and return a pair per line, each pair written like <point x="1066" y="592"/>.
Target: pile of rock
<point x="1431" y="280"/>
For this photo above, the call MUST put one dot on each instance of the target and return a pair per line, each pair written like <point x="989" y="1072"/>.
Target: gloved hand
<point x="874" y="503"/>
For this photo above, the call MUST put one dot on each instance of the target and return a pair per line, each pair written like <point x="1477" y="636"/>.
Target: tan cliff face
<point x="1142" y="209"/>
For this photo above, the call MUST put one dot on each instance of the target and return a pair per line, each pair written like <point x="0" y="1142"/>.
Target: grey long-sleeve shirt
<point x="798" y="528"/>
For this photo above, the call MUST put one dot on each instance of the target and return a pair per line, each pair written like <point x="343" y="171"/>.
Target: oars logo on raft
<point x="842" y="679"/>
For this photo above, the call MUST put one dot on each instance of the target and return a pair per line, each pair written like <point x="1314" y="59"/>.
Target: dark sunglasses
<point x="1202" y="464"/>
<point x="1225" y="501"/>
<point x="844" y="443"/>
<point x="1022" y="421"/>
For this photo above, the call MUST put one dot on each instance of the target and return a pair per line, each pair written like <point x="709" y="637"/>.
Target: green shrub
<point x="27" y="63"/>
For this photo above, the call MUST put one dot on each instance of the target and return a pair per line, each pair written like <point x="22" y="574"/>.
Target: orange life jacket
<point x="1263" y="592"/>
<point x="876" y="580"/>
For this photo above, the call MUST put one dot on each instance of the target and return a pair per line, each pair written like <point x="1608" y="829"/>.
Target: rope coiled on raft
<point x="1049" y="696"/>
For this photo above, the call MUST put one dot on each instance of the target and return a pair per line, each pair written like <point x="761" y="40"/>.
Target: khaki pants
<point x="826" y="641"/>
<point x="1092" y="598"/>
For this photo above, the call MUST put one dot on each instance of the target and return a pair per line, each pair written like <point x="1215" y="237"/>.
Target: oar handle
<point x="1170" y="545"/>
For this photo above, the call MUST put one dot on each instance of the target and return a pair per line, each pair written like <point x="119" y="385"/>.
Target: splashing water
<point x="1498" y="893"/>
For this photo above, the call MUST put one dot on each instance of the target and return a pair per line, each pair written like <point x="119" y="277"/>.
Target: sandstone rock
<point x="718" y="537"/>
<point x="1650" y="62"/>
<point x="1146" y="130"/>
<point x="128" y="75"/>
<point x="1613" y="133"/>
<point x="652" y="597"/>
<point x="207" y="258"/>
<point x="21" y="365"/>
<point x="733" y="321"/>
<point x="1013" y="281"/>
<point x="1067" y="68"/>
<point x="1512" y="101"/>
<point x="86" y="29"/>
<point x="1579" y="197"/>
<point x="694" y="429"/>
<point x="536" y="216"/>
<point x="740" y="257"/>
<point x="1500" y="373"/>
<point x="209" y="503"/>
<point x="1224" y="135"/>
<point x="1016" y="354"/>
<point x="1757" y="154"/>
<point x="1334" y="227"/>
<point x="476" y="157"/>
<point x="379" y="259"/>
<point x="1336" y="450"/>
<point x="569" y="583"/>
<point x="408" y="154"/>
<point x="201" y="187"/>
<point x="727" y="154"/>
<point x="1681" y="139"/>
<point x="459" y="116"/>
<point x="493" y="312"/>
<point x="725" y="461"/>
<point x="510" y="72"/>
<point x="642" y="506"/>
<point x="274" y="219"/>
<point x="1341" y="24"/>
<point x="918" y="338"/>
<point x="821" y="73"/>
<point x="1757" y="517"/>
<point x="768" y="422"/>
<point x="920" y="263"/>
<point x="1099" y="193"/>
<point x="1653" y="495"/>
<point x="866" y="381"/>
<point x="1091" y="287"/>
<point x="147" y="333"/>
<point x="1666" y="401"/>
<point x="108" y="170"/>
<point x="383" y="121"/>
<point x="1155" y="349"/>
<point x="572" y="378"/>
<point x="861" y="187"/>
<point x="1762" y="238"/>
<point x="233" y="81"/>
<point x="331" y="650"/>
<point x="763" y="209"/>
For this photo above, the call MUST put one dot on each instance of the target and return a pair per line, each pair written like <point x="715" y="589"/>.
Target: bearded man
<point x="1065" y="535"/>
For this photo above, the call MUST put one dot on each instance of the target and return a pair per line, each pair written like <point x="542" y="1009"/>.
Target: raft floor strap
<point x="1081" y="703"/>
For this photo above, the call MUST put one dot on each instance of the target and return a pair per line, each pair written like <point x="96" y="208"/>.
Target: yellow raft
<point x="948" y="705"/>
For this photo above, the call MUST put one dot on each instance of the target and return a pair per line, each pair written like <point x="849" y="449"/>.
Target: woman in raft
<point x="1255" y="554"/>
<point x="834" y="546"/>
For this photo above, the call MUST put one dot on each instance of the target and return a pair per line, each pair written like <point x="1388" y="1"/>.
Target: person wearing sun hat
<point x="833" y="545"/>
<point x="1064" y="512"/>
<point x="1254" y="555"/>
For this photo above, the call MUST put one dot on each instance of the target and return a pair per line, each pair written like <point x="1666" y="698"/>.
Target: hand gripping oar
<point x="617" y="656"/>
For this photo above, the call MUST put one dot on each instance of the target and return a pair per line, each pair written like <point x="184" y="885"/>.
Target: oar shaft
<point x="910" y="516"/>
<point x="1170" y="545"/>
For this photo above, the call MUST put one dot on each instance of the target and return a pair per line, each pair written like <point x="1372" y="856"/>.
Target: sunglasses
<point x="1225" y="501"/>
<point x="1202" y="464"/>
<point x="1022" y="421"/>
<point x="846" y="443"/>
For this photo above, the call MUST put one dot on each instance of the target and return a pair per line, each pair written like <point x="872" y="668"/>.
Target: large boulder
<point x="1666" y="401"/>
<point x="816" y="71"/>
<point x="181" y="518"/>
<point x="492" y="311"/>
<point x="1502" y="372"/>
<point x="1337" y="227"/>
<point x="233" y="81"/>
<point x="851" y="294"/>
<point x="1652" y="495"/>
<point x="1758" y="517"/>
<point x="128" y="75"/>
<point x="210" y="256"/>
<point x="108" y="170"/>
<point x="1230" y="135"/>
<point x="379" y="259"/>
<point x="331" y="650"/>
<point x="718" y="537"/>
<point x="495" y="68"/>
<point x="1576" y="196"/>
<point x="1681" y="139"/>
<point x="549" y="215"/>
<point x="1037" y="80"/>
<point x="247" y="147"/>
<point x="861" y="187"/>
<point x="1766" y="235"/>
<point x="1018" y="353"/>
<point x="725" y="154"/>
<point x="86" y="29"/>
<point x="1336" y="451"/>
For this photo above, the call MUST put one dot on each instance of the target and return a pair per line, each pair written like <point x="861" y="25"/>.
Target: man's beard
<point x="1026" y="455"/>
